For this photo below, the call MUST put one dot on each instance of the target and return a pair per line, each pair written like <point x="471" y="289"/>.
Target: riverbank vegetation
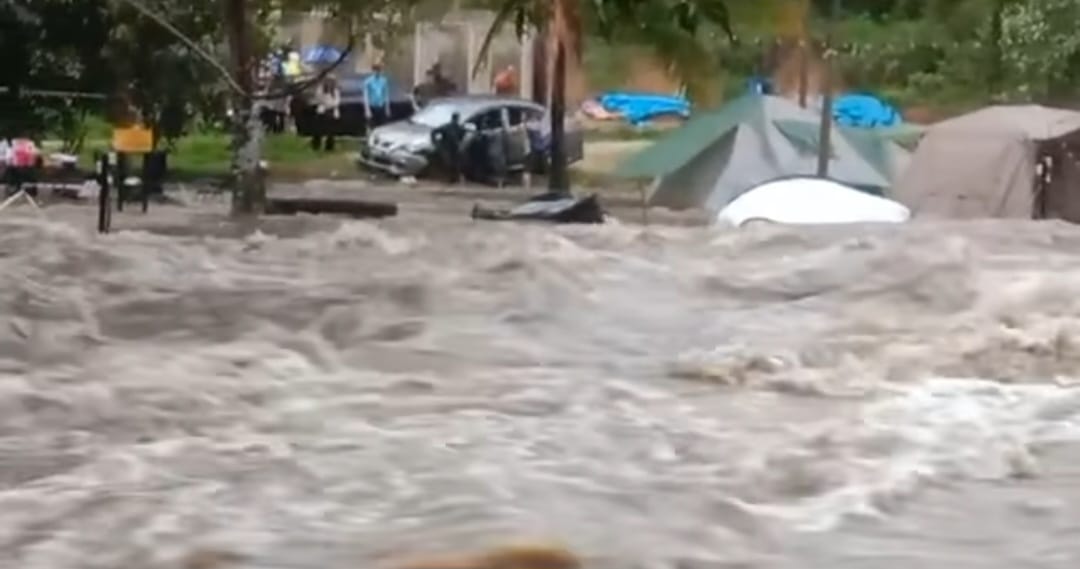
<point x="932" y="56"/>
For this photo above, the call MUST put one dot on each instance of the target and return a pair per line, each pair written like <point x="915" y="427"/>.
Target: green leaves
<point x="1039" y="48"/>
<point x="682" y="33"/>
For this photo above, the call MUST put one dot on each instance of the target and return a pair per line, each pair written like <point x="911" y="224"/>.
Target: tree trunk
<point x="803" y="46"/>
<point x="559" y="177"/>
<point x="804" y="70"/>
<point x="541" y="80"/>
<point x="249" y="191"/>
<point x="825" y="135"/>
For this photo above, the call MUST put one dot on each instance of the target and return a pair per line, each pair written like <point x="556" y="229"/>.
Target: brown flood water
<point x="333" y="394"/>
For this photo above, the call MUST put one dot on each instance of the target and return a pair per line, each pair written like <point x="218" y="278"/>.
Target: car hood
<point x="403" y="133"/>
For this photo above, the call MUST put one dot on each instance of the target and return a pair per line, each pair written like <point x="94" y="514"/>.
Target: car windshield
<point x="435" y="114"/>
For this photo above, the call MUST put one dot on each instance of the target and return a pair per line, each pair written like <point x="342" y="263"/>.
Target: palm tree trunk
<point x="249" y="191"/>
<point x="559" y="177"/>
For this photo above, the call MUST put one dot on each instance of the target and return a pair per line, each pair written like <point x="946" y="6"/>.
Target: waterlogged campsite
<point x="401" y="284"/>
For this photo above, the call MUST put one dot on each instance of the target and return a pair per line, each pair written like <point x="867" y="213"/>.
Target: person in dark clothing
<point x="426" y="91"/>
<point x="444" y="87"/>
<point x="448" y="141"/>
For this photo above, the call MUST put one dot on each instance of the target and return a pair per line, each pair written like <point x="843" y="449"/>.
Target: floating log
<point x="350" y="207"/>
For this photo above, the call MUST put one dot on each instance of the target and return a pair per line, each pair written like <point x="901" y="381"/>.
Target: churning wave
<point x="337" y="394"/>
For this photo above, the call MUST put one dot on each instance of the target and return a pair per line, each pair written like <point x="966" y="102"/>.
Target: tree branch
<point x="161" y="21"/>
<point x="233" y="84"/>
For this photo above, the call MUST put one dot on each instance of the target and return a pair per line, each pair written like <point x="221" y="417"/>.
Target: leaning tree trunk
<point x="249" y="191"/>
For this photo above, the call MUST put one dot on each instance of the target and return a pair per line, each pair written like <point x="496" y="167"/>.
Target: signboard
<point x="133" y="140"/>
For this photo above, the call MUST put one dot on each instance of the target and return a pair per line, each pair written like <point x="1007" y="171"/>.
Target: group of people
<point x="376" y="100"/>
<point x="327" y="106"/>
<point x="326" y="100"/>
<point x="281" y="69"/>
<point x="484" y="155"/>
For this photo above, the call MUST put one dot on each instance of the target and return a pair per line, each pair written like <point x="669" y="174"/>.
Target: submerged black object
<point x="353" y="208"/>
<point x="554" y="208"/>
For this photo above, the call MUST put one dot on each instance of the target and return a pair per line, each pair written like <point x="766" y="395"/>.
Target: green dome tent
<point x="717" y="156"/>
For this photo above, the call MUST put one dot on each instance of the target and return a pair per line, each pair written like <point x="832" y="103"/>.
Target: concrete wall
<point x="454" y="39"/>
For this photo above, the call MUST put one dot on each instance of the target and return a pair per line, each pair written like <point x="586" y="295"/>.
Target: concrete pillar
<point x="525" y="68"/>
<point x="418" y="53"/>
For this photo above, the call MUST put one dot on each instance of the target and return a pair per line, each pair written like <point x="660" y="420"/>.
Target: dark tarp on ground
<point x="717" y="156"/>
<point x="984" y="164"/>
<point x="554" y="208"/>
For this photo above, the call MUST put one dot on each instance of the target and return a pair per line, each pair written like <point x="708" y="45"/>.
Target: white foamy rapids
<point x="945" y="430"/>
<point x="322" y="394"/>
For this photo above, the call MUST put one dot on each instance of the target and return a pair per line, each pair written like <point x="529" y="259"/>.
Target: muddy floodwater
<point x="337" y="394"/>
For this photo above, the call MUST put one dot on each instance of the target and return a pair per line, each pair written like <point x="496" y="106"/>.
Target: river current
<point x="336" y="395"/>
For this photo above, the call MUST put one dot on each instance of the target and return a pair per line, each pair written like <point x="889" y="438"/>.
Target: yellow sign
<point x="133" y="140"/>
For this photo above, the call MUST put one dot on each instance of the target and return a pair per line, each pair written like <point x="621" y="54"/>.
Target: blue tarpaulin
<point x="865" y="111"/>
<point x="638" y="108"/>
<point x="321" y="54"/>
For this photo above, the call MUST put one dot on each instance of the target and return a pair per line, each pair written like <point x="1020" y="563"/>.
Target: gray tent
<point x="717" y="156"/>
<point x="1001" y="161"/>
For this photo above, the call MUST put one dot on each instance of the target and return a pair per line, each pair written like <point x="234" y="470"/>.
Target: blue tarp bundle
<point x="641" y="107"/>
<point x="321" y="54"/>
<point x="865" y="111"/>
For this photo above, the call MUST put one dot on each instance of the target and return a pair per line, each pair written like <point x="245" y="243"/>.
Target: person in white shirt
<point x="327" y="111"/>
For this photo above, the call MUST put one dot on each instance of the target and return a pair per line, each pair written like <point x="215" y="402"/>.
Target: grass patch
<point x="208" y="155"/>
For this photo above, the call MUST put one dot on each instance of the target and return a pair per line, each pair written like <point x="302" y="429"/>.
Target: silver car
<point x="404" y="148"/>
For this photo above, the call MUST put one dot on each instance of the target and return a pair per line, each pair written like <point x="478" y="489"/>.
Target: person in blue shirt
<point x="376" y="97"/>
